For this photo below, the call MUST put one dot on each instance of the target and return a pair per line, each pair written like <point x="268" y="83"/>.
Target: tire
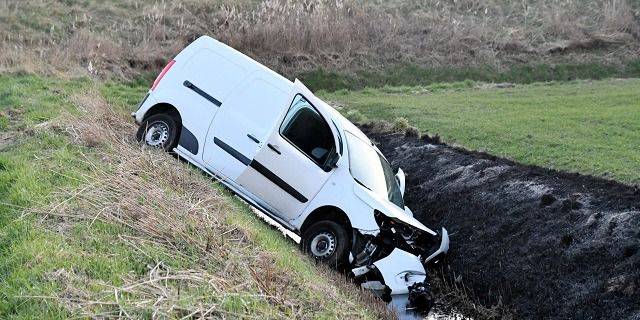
<point x="160" y="131"/>
<point x="327" y="242"/>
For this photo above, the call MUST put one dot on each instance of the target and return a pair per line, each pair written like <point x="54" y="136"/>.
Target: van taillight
<point x="162" y="73"/>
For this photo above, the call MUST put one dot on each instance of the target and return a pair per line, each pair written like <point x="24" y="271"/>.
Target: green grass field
<point x="72" y="244"/>
<point x="592" y="127"/>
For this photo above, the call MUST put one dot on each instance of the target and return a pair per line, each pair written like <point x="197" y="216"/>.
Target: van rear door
<point x="244" y="122"/>
<point x="203" y="76"/>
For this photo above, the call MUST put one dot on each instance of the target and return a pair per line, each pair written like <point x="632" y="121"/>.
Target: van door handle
<point x="253" y="138"/>
<point x="274" y="148"/>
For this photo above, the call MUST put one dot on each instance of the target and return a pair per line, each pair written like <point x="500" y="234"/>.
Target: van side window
<point x="305" y="128"/>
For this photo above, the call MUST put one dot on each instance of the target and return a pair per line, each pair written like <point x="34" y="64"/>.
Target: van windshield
<point x="370" y="169"/>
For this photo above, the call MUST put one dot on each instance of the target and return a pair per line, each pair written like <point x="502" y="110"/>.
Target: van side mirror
<point x="332" y="161"/>
<point x="400" y="178"/>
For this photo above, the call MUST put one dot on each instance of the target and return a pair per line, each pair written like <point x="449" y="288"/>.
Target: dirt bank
<point x="547" y="244"/>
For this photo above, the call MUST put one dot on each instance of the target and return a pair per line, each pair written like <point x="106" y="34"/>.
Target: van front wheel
<point x="160" y="131"/>
<point x="326" y="241"/>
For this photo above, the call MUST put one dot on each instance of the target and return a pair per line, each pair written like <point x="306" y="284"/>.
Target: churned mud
<point x="543" y="243"/>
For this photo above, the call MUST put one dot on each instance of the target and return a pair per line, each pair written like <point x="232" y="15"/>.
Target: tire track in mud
<point x="545" y="243"/>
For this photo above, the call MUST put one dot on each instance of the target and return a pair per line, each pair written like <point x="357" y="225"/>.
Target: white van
<point x="293" y="157"/>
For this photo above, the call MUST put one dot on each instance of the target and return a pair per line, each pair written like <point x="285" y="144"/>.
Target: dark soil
<point x="547" y="244"/>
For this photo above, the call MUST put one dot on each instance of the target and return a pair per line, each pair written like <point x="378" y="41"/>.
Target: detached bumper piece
<point x="399" y="274"/>
<point x="400" y="270"/>
<point x="392" y="264"/>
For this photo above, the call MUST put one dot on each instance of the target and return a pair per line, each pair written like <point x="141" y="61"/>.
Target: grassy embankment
<point x="591" y="127"/>
<point x="333" y="44"/>
<point x="93" y="225"/>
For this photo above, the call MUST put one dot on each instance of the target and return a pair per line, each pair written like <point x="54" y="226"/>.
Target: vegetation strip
<point x="332" y="45"/>
<point x="415" y="75"/>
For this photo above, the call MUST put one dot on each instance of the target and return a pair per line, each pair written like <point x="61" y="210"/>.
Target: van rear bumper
<point x="133" y="114"/>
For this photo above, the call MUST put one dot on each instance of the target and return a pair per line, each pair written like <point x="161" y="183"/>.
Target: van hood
<point x="387" y="208"/>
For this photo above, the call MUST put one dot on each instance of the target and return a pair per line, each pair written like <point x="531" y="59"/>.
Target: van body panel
<point x="337" y="192"/>
<point x="254" y="101"/>
<point x="302" y="178"/>
<point x="213" y="73"/>
<point x="244" y="122"/>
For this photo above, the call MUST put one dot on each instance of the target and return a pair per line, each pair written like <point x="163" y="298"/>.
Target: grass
<point x="88" y="229"/>
<point x="591" y="127"/>
<point x="414" y="75"/>
<point x="354" y="39"/>
<point x="41" y="164"/>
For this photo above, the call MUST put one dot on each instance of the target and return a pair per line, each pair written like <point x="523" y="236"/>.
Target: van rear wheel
<point x="327" y="242"/>
<point x="160" y="131"/>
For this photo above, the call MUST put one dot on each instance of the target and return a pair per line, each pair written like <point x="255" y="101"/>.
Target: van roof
<point x="324" y="108"/>
<point x="233" y="54"/>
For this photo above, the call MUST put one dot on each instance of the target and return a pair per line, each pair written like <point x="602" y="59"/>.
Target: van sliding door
<point x="243" y="124"/>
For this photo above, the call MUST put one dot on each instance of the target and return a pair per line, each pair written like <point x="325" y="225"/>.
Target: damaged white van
<point x="293" y="157"/>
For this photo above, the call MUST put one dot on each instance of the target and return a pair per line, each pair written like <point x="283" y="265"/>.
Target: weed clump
<point x="356" y="116"/>
<point x="433" y="139"/>
<point x="412" y="132"/>
<point x="400" y="124"/>
<point x="381" y="126"/>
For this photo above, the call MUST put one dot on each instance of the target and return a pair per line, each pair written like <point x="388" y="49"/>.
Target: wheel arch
<point x="166" y="108"/>
<point x="327" y="212"/>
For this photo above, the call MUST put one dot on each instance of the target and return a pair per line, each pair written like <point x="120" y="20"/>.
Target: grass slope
<point x="347" y="44"/>
<point x="90" y="225"/>
<point x="592" y="127"/>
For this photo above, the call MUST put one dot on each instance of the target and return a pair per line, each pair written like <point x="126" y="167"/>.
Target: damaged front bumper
<point x="443" y="249"/>
<point x="394" y="262"/>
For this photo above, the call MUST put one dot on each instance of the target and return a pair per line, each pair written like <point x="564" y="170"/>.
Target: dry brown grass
<point x="126" y="37"/>
<point x="454" y="298"/>
<point x="164" y="203"/>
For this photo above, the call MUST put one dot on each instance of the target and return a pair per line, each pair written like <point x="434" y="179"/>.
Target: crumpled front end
<point x="392" y="262"/>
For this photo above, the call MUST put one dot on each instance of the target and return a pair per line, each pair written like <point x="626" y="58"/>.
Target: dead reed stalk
<point x="128" y="37"/>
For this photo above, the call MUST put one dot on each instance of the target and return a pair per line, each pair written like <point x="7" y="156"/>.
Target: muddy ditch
<point x="543" y="243"/>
